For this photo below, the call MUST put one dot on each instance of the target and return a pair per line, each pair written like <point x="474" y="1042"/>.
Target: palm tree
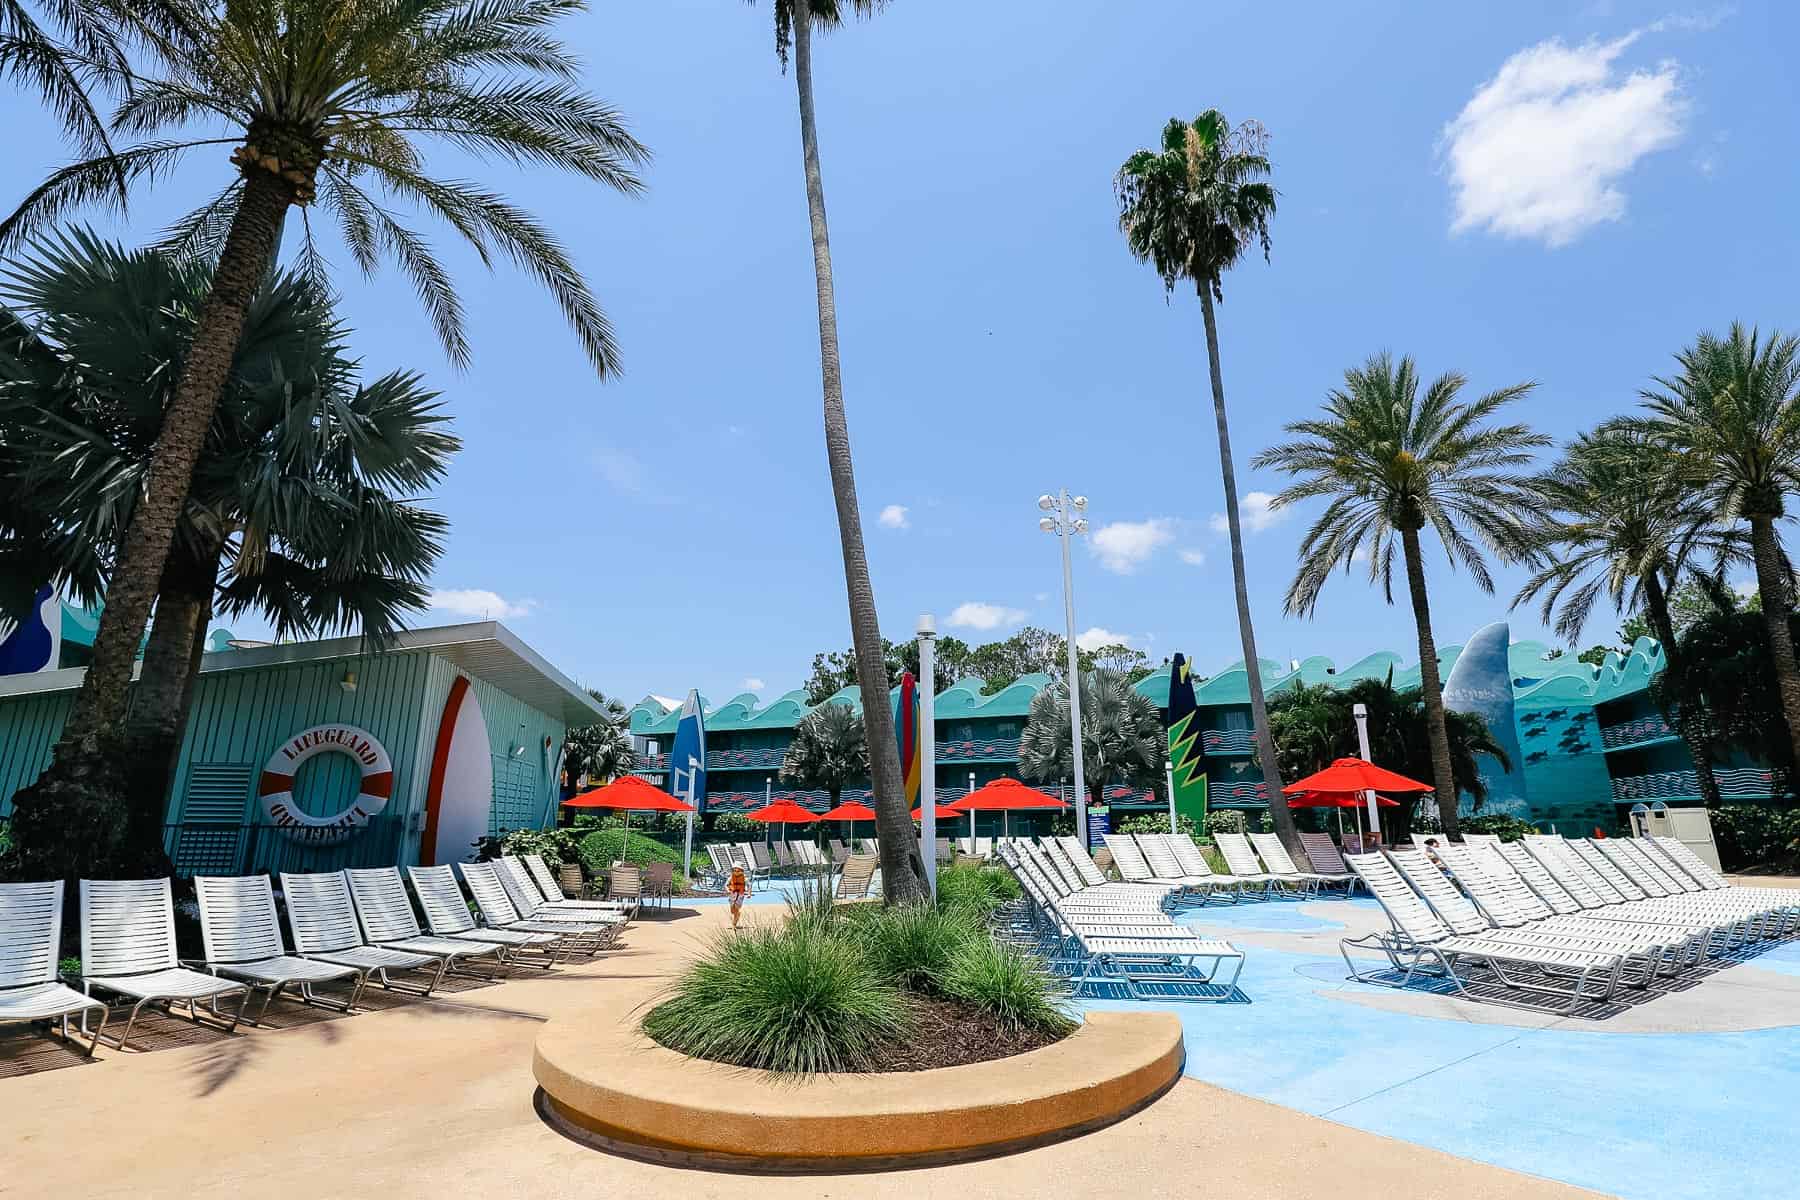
<point x="829" y="750"/>
<point x="1122" y="736"/>
<point x="1618" y="521"/>
<point x="317" y="101"/>
<point x="57" y="51"/>
<point x="602" y="751"/>
<point x="902" y="870"/>
<point x="1731" y="416"/>
<point x="1192" y="210"/>
<point x="293" y="510"/>
<point x="1392" y="465"/>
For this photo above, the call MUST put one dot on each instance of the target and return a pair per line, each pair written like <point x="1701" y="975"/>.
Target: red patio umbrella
<point x="1352" y="778"/>
<point x="1336" y="800"/>
<point x="849" y="810"/>
<point x="785" y="812"/>
<point x="1004" y="796"/>
<point x="941" y="812"/>
<point x="629" y="794"/>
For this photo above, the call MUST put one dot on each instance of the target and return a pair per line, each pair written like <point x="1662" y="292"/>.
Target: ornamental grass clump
<point x="974" y="888"/>
<point x="912" y="945"/>
<point x="1010" y="985"/>
<point x="802" y="999"/>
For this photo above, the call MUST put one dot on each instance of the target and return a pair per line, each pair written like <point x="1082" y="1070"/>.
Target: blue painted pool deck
<point x="1645" y="1116"/>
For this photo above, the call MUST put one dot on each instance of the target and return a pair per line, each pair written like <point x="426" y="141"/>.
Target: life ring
<point x="276" y="789"/>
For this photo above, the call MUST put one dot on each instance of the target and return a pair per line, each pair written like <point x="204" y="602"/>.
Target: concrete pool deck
<point x="434" y="1098"/>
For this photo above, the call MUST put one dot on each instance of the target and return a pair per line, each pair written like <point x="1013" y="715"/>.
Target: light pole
<point x="927" y="629"/>
<point x="1361" y="713"/>
<point x="1063" y="518"/>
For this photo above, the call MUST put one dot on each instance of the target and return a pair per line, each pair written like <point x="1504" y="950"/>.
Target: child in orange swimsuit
<point x="737" y="887"/>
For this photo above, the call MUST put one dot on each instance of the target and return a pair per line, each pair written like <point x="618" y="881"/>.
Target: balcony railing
<point x="1630" y="733"/>
<point x="1227" y="741"/>
<point x="1737" y="783"/>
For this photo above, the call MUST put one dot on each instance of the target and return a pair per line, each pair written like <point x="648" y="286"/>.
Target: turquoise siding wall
<point x="29" y="727"/>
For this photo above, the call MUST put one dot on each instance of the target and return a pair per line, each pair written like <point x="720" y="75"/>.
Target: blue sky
<point x="1531" y="191"/>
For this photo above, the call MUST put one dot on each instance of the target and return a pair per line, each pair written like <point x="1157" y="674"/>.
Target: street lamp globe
<point x="1081" y="504"/>
<point x="1081" y="525"/>
<point x="1046" y="502"/>
<point x="1047" y="524"/>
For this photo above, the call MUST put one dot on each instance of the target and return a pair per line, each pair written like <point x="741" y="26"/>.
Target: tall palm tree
<point x="1192" y="210"/>
<point x="830" y="748"/>
<point x="902" y="870"/>
<point x="301" y="505"/>
<point x="1618" y="521"/>
<point x="1393" y="464"/>
<point x="602" y="751"/>
<point x="1731" y="416"/>
<point x="317" y="99"/>
<point x="1122" y="736"/>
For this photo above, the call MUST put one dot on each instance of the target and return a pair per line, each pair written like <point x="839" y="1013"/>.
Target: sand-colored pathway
<point x="434" y="1099"/>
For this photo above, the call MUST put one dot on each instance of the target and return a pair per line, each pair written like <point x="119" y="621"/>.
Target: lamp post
<point x="927" y="629"/>
<point x="1062" y="516"/>
<point x="1361" y="713"/>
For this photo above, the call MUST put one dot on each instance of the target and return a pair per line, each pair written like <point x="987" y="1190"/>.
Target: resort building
<point x="320" y="755"/>
<point x="1585" y="742"/>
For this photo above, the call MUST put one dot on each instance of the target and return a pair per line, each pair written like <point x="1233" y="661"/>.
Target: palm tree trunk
<point x="902" y="870"/>
<point x="165" y="692"/>
<point x="1279" y="812"/>
<point x="1699" y="744"/>
<point x="69" y="821"/>
<point x="1431" y="688"/>
<point x="1772" y="585"/>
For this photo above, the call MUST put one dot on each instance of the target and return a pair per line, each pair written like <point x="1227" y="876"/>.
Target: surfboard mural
<point x="459" y="799"/>
<point x="687" y="757"/>
<point x="1481" y="682"/>
<point x="36" y="644"/>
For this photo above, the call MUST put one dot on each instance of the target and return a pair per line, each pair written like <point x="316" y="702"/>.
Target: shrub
<point x="1157" y="823"/>
<point x="1502" y="825"/>
<point x="797" y="999"/>
<point x="601" y="848"/>
<point x="911" y="945"/>
<point x="1224" y="821"/>
<point x="1009" y="984"/>
<point x="738" y="823"/>
<point x="976" y="889"/>
<point x="1753" y="835"/>
<point x="812" y="904"/>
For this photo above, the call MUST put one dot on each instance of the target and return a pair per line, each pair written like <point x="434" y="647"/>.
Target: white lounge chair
<point x="498" y="914"/>
<point x="128" y="948"/>
<point x="322" y="918"/>
<point x="1192" y="861"/>
<point x="30" y="937"/>
<point x="241" y="934"/>
<point x="1421" y="944"/>
<point x="533" y="903"/>
<point x="1275" y="856"/>
<point x="387" y="920"/>
<point x="1241" y="861"/>
<point x="552" y="894"/>
<point x="447" y="915"/>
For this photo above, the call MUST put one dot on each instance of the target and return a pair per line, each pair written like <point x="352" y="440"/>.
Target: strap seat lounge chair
<point x="1736" y="923"/>
<point x="387" y="920"/>
<point x="1166" y="867"/>
<point x="721" y="859"/>
<point x="529" y="903"/>
<point x="764" y="865"/>
<point x="1641" y="949"/>
<point x="1579" y="899"/>
<point x="1107" y="898"/>
<point x="30" y="938"/>
<point x="1192" y="860"/>
<point x="447" y="915"/>
<point x="1681" y="856"/>
<point x="781" y="857"/>
<point x="128" y="948"/>
<point x="322" y="918"/>
<point x="853" y="881"/>
<point x="1649" y="874"/>
<point x="551" y="893"/>
<point x="1240" y="860"/>
<point x="1325" y="858"/>
<point x="1420" y="945"/>
<point x="1134" y="869"/>
<point x="240" y="932"/>
<point x="1275" y="856"/>
<point x="1505" y="899"/>
<point x="1084" y="863"/>
<point x="499" y="915"/>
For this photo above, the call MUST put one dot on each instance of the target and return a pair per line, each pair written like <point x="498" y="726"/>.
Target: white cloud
<point x="1124" y="546"/>
<point x="1256" y="510"/>
<point x="1096" y="637"/>
<point x="622" y="470"/>
<point x="894" y="517"/>
<point x="977" y="614"/>
<point x="753" y="684"/>
<point x="1193" y="558"/>
<point x="479" y="604"/>
<point x="1540" y="149"/>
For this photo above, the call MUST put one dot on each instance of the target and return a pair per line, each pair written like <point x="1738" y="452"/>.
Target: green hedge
<point x="1757" y="835"/>
<point x="1501" y="825"/>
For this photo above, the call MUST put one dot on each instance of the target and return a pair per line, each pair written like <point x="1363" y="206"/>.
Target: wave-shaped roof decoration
<point x="1536" y="679"/>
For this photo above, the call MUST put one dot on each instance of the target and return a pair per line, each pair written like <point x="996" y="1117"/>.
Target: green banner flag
<point x="1187" y="755"/>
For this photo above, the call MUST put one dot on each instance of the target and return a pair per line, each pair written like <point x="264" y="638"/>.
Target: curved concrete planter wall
<point x="617" y="1089"/>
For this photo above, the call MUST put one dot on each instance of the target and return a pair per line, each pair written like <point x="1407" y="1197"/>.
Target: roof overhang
<point x="485" y="649"/>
